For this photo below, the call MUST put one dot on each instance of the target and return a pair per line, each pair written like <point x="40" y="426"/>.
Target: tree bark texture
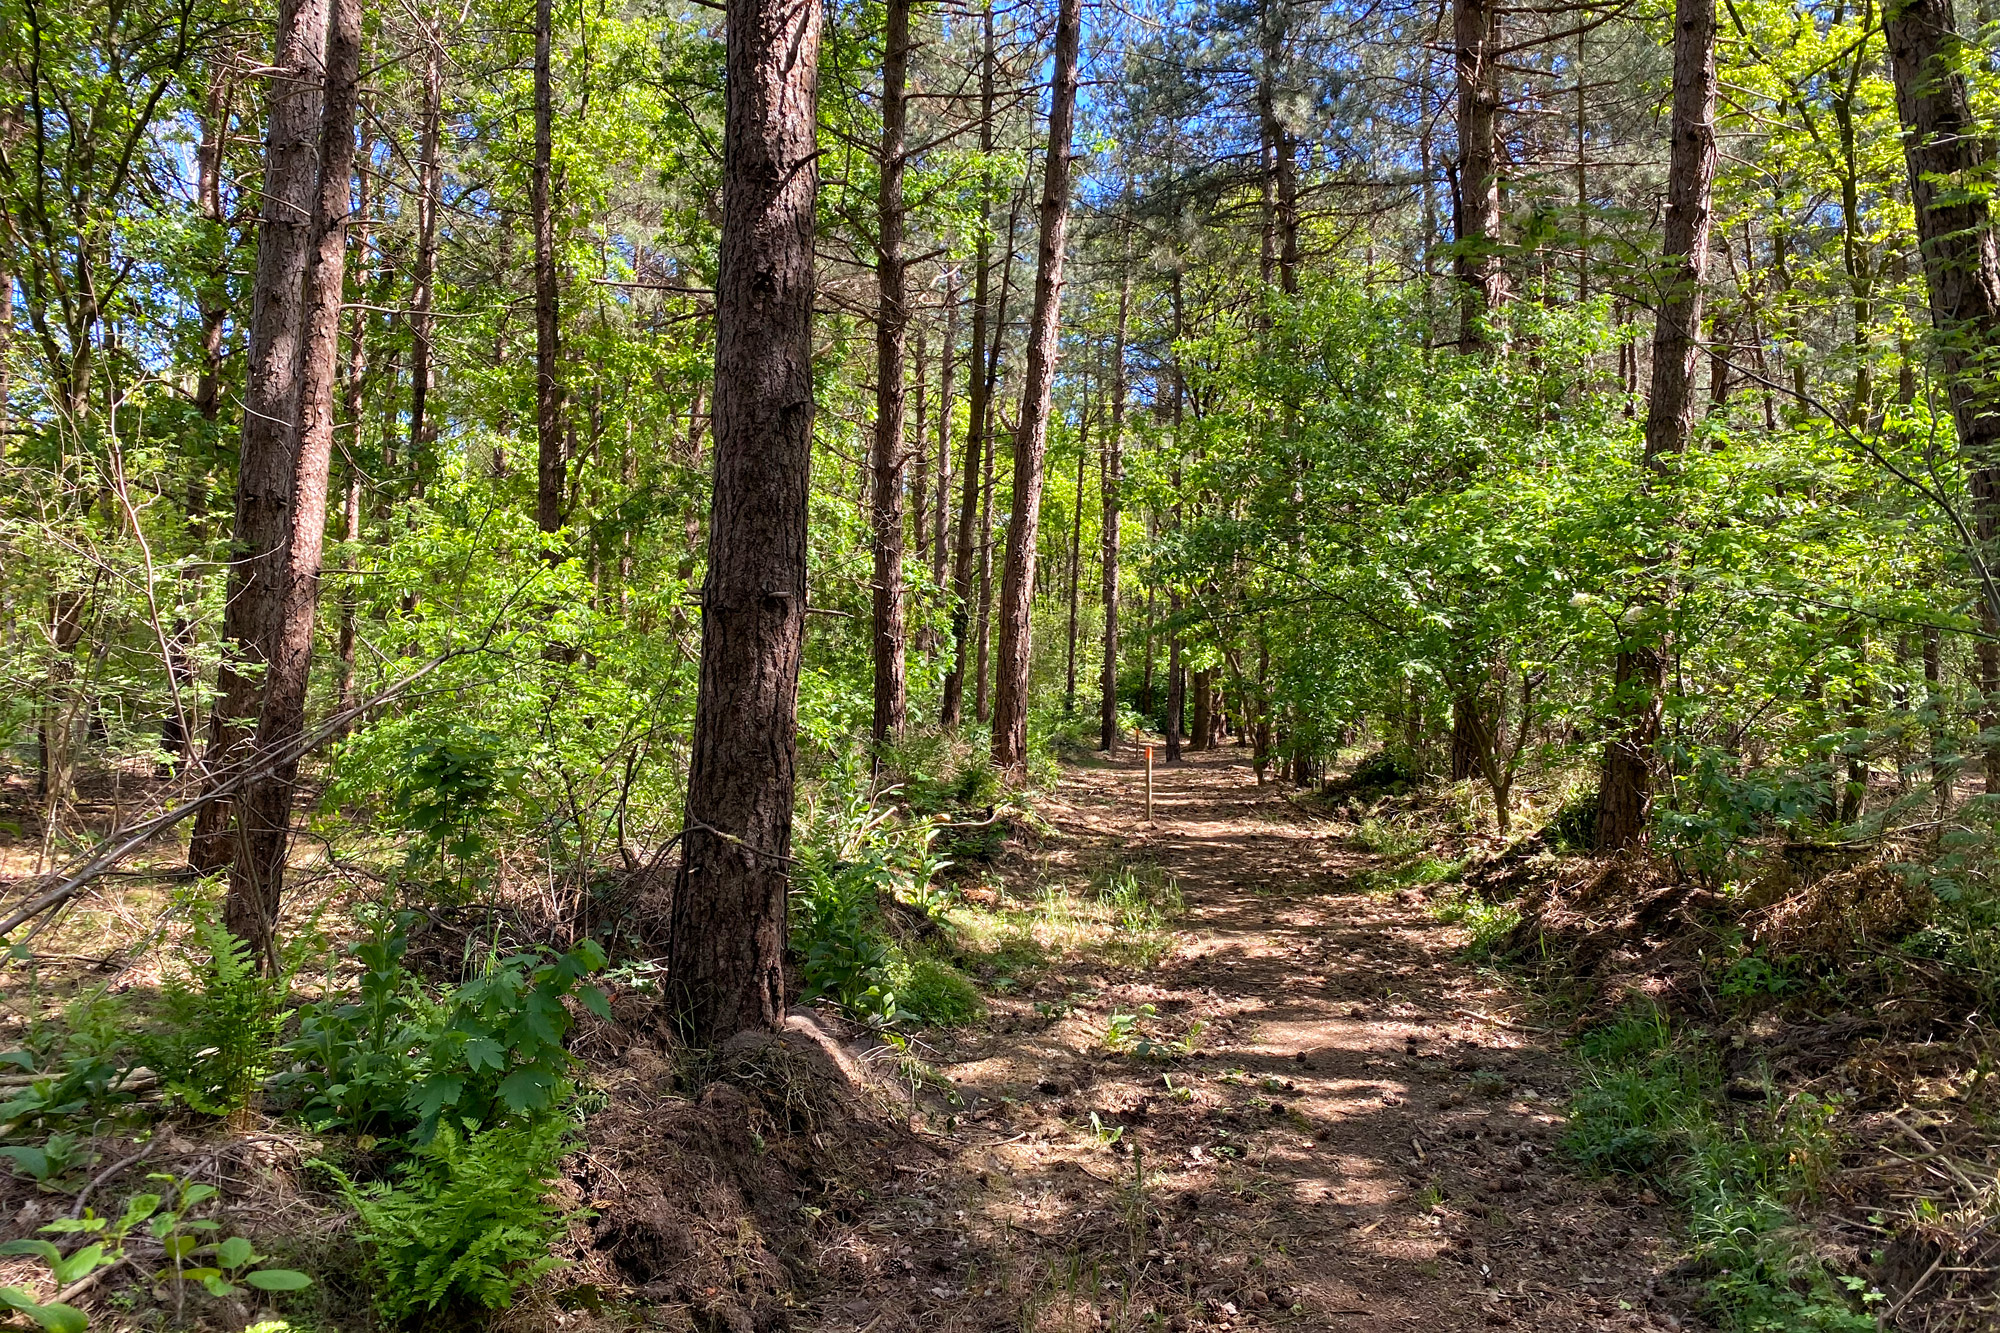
<point x="257" y="878"/>
<point x="892" y="317"/>
<point x="1624" y="791"/>
<point x="1031" y="434"/>
<point x="252" y="613"/>
<point x="1476" y="29"/>
<point x="551" y="463"/>
<point x="727" y="945"/>
<point x="423" y="274"/>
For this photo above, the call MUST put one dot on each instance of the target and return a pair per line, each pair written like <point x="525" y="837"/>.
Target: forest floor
<point x="1309" y="1111"/>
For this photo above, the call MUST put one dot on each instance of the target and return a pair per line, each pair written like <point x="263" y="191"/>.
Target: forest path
<point x="1358" y="1142"/>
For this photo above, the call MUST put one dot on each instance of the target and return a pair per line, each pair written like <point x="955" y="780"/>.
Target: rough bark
<point x="1476" y="29"/>
<point x="975" y="428"/>
<point x="256" y="880"/>
<point x="551" y="464"/>
<point x="892" y="317"/>
<point x="1031" y="434"/>
<point x="946" y="371"/>
<point x="252" y="613"/>
<point x="727" y="945"/>
<point x="1203" y="725"/>
<point x="1624" y="791"/>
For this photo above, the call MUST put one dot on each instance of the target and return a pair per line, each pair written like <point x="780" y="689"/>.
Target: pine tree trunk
<point x="551" y="462"/>
<point x="252" y="613"/>
<point x="1114" y="441"/>
<point x="1476" y="26"/>
<point x="1076" y="560"/>
<point x="892" y="318"/>
<point x="257" y="878"/>
<point x="947" y="368"/>
<point x="1203" y="724"/>
<point x="726" y="963"/>
<point x="950" y="708"/>
<point x="1624" y="791"/>
<point x="1031" y="433"/>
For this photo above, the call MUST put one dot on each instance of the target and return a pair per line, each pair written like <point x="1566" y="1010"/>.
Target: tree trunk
<point x="252" y="613"/>
<point x="1476" y="27"/>
<point x="891" y="322"/>
<point x="728" y="910"/>
<point x="1624" y="791"/>
<point x="1199" y="731"/>
<point x="430" y="198"/>
<point x="1114" y="441"/>
<point x="1031" y="433"/>
<point x="1947" y="158"/>
<point x="256" y="880"/>
<point x="1076" y="560"/>
<point x="551" y="463"/>
<point x="947" y="367"/>
<point x="1176" y="685"/>
<point x="975" y="428"/>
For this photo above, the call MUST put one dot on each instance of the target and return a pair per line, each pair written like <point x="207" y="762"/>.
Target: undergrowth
<point x="1652" y="1107"/>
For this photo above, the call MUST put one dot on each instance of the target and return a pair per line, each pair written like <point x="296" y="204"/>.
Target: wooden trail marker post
<point x="1138" y="736"/>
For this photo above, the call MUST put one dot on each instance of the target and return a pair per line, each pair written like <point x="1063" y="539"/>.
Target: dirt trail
<point x="1360" y="1140"/>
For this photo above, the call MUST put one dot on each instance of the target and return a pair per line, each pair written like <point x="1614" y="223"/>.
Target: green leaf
<point x="41" y="1247"/>
<point x="86" y="1260"/>
<point x="54" y="1318"/>
<point x="197" y="1194"/>
<point x="277" y="1279"/>
<point x="593" y="1000"/>
<point x="219" y="1286"/>
<point x="526" y="1090"/>
<point x="485" y="1053"/>
<point x="234" y="1252"/>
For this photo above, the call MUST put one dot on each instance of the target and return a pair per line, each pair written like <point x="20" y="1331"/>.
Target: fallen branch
<point x="123" y="842"/>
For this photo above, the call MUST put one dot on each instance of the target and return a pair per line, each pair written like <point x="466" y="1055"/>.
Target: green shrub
<point x="836" y="929"/>
<point x="933" y="992"/>
<point x="1385" y="771"/>
<point x="221" y="1021"/>
<point x="465" y="1221"/>
<point x="1573" y="827"/>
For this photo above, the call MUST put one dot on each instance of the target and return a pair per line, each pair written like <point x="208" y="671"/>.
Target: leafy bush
<point x="1573" y="827"/>
<point x="1385" y="771"/>
<point x="465" y="1221"/>
<point x="835" y="927"/>
<point x="222" y="1019"/>
<point x="392" y="1059"/>
<point x="79" y="1065"/>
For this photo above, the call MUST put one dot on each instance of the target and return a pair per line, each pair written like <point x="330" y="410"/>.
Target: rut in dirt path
<point x="1358" y="1140"/>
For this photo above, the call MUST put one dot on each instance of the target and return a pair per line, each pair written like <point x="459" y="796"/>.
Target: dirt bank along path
<point x="1360" y="1138"/>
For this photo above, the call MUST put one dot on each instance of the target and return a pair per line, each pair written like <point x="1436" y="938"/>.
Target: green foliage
<point x="84" y="1059"/>
<point x="1487" y="924"/>
<point x="836" y="927"/>
<point x="194" y="1250"/>
<point x="931" y="992"/>
<point x="1652" y="1106"/>
<point x="221" y="1019"/>
<point x="465" y="1221"/>
<point x="393" y="1060"/>
<point x="49" y="1164"/>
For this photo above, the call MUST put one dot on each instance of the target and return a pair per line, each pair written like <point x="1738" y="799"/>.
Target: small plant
<point x="1487" y="924"/>
<point x="51" y="1162"/>
<point x="1106" y="1135"/>
<point x="231" y="1263"/>
<point x="221" y="1022"/>
<point x="933" y="992"/>
<point x="465" y="1221"/>
<point x="1754" y="977"/>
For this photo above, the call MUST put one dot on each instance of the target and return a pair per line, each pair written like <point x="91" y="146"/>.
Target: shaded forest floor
<point x="1309" y="1112"/>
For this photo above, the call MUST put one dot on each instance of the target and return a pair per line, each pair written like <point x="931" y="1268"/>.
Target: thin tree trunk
<point x="1624" y="792"/>
<point x="982" y="699"/>
<point x="726" y="957"/>
<point x="1176" y="686"/>
<point x="975" y="429"/>
<point x="253" y="612"/>
<point x="892" y="319"/>
<point x="1203" y="724"/>
<point x="1114" y="441"/>
<point x="1076" y="559"/>
<point x="1010" y="713"/>
<point x="256" y="880"/>
<point x="948" y="364"/>
<point x="551" y="464"/>
<point x="423" y="275"/>
<point x="355" y="400"/>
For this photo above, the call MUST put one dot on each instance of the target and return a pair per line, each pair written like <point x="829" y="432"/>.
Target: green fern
<point x="222" y="1018"/>
<point x="465" y="1222"/>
